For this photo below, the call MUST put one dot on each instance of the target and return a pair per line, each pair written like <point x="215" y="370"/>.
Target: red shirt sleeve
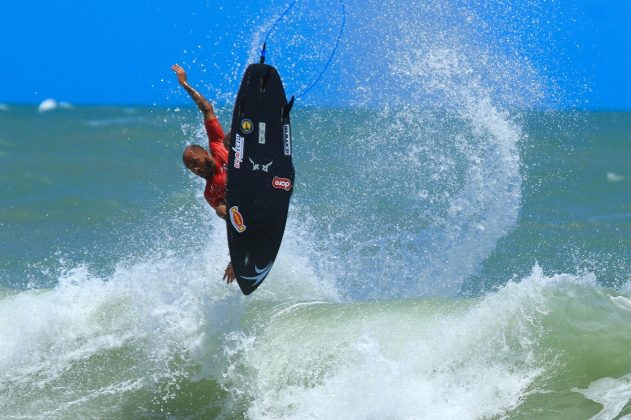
<point x="215" y="143"/>
<point x="214" y="131"/>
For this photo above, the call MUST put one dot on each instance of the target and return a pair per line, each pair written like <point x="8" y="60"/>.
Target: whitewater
<point x="454" y="248"/>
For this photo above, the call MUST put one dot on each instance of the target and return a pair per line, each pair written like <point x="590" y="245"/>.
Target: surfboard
<point x="260" y="175"/>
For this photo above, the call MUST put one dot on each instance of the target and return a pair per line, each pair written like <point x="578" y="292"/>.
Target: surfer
<point x="209" y="164"/>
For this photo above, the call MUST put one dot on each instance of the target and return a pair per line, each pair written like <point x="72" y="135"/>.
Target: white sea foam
<point x="47" y="105"/>
<point x="156" y="311"/>
<point x="51" y="104"/>
<point x="307" y="355"/>
<point x="612" y="177"/>
<point x="622" y="302"/>
<point x="404" y="359"/>
<point x="161" y="309"/>
<point x="612" y="393"/>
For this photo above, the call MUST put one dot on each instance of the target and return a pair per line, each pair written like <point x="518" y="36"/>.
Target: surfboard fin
<point x="287" y="108"/>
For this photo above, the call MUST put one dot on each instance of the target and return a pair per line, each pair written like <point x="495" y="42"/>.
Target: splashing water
<point x="408" y="174"/>
<point x="428" y="177"/>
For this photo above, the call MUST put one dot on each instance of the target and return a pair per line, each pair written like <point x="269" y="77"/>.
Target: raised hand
<point x="181" y="73"/>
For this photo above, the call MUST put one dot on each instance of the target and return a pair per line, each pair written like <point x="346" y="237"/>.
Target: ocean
<point x="458" y="243"/>
<point x="451" y="274"/>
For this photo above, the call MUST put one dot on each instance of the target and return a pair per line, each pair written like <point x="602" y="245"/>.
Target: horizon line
<point x="65" y="105"/>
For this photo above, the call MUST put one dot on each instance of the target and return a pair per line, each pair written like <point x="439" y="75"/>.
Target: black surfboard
<point x="260" y="175"/>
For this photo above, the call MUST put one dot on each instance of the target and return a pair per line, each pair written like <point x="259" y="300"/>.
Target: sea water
<point x="112" y="303"/>
<point x="453" y="250"/>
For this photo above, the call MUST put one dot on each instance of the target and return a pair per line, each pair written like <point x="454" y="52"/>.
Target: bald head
<point x="198" y="160"/>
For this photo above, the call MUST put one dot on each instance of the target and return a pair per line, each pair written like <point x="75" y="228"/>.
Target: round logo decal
<point x="246" y="126"/>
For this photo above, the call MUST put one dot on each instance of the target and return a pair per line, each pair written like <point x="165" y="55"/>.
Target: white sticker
<point x="238" y="150"/>
<point x="258" y="166"/>
<point x="261" y="133"/>
<point x="287" y="139"/>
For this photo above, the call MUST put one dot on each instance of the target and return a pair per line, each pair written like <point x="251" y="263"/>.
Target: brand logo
<point x="239" y="145"/>
<point x="287" y="139"/>
<point x="237" y="219"/>
<point x="261" y="273"/>
<point x="258" y="166"/>
<point x="246" y="126"/>
<point x="281" y="183"/>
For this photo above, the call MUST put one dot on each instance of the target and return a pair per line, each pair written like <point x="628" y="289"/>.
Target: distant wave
<point x="108" y="122"/>
<point x="613" y="177"/>
<point x="609" y="217"/>
<point x="50" y="104"/>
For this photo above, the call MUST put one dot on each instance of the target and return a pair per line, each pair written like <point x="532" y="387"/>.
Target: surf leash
<point x="274" y="27"/>
<point x="329" y="60"/>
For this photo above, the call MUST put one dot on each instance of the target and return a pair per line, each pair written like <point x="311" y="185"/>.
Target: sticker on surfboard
<point x="246" y="126"/>
<point x="236" y="219"/>
<point x="287" y="139"/>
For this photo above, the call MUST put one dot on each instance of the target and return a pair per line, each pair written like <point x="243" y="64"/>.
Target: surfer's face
<point x="200" y="162"/>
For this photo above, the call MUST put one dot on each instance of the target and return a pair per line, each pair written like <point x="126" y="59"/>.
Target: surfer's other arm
<point x="201" y="102"/>
<point x="229" y="275"/>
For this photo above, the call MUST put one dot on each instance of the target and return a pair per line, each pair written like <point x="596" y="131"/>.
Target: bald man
<point x="211" y="164"/>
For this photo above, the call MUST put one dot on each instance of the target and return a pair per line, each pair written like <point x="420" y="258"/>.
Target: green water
<point x="112" y="305"/>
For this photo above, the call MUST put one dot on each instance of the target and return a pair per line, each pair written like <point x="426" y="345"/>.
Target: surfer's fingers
<point x="228" y="276"/>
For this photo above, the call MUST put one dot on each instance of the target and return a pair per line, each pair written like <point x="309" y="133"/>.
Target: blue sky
<point x="119" y="52"/>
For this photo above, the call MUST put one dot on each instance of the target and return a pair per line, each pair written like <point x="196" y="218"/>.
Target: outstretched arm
<point x="201" y="102"/>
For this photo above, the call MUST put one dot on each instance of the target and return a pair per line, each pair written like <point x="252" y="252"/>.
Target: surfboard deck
<point x="260" y="175"/>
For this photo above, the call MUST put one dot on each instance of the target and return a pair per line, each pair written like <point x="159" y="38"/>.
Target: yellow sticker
<point x="246" y="126"/>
